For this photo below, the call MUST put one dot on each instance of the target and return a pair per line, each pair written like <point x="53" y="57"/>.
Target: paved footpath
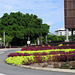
<point x="6" y="69"/>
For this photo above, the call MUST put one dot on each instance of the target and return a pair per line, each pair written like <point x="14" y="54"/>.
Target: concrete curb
<point x="48" y="69"/>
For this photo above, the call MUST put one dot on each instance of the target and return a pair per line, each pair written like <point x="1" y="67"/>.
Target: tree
<point x="21" y="26"/>
<point x="8" y="39"/>
<point x="55" y="39"/>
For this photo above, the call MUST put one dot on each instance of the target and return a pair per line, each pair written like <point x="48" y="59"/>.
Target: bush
<point x="73" y="65"/>
<point x="56" y="65"/>
<point x="36" y="48"/>
<point x="28" y="63"/>
<point x="38" y="59"/>
<point x="60" y="45"/>
<point x="63" y="58"/>
<point x="44" y="65"/>
<point x="65" y="65"/>
<point x="15" y="54"/>
<point x="65" y="47"/>
<point x="60" y="58"/>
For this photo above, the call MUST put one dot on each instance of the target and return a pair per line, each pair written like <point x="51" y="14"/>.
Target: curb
<point x="48" y="69"/>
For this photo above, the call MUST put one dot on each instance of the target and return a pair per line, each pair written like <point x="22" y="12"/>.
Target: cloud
<point x="8" y="7"/>
<point x="50" y="23"/>
<point x="42" y="5"/>
<point x="51" y="11"/>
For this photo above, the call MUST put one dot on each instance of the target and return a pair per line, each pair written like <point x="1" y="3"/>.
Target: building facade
<point x="62" y="32"/>
<point x="69" y="16"/>
<point x="69" y="9"/>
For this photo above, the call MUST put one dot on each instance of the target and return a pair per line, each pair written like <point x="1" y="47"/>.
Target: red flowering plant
<point x="44" y="53"/>
<point x="15" y="54"/>
<point x="28" y="63"/>
<point x="50" y="59"/>
<point x="36" y="54"/>
<point x="64" y="58"/>
<point x="65" y="47"/>
<point x="26" y="54"/>
<point x="36" y="48"/>
<point x="60" y="58"/>
<point x="38" y="59"/>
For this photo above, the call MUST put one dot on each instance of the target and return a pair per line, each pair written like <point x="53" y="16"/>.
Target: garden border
<point x="48" y="69"/>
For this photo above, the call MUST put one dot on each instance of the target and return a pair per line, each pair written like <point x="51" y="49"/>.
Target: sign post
<point x="38" y="41"/>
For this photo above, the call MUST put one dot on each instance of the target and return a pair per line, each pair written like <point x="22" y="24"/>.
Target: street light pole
<point x="4" y="38"/>
<point x="46" y="40"/>
<point x="28" y="40"/>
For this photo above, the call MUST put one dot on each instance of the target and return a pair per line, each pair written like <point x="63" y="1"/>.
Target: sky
<point x="50" y="11"/>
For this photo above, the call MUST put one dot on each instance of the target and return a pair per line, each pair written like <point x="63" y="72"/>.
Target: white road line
<point x="2" y="74"/>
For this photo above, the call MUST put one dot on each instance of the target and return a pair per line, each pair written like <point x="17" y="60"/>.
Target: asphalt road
<point x="6" y="69"/>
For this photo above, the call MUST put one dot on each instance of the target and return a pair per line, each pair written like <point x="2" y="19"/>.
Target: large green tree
<point x="20" y="26"/>
<point x="55" y="39"/>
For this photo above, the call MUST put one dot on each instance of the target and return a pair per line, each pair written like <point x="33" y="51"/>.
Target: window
<point x="60" y="33"/>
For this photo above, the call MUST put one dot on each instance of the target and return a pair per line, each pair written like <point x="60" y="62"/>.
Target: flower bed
<point x="65" y="47"/>
<point x="43" y="52"/>
<point x="36" y="48"/>
<point x="65" y="57"/>
<point x="30" y="57"/>
<point x="24" y="60"/>
<point x="47" y="51"/>
<point x="43" y="47"/>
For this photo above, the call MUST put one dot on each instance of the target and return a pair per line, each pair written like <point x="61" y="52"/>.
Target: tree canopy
<point x="20" y="26"/>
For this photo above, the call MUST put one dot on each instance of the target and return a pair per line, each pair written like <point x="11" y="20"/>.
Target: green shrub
<point x="44" y="65"/>
<point x="46" y="51"/>
<point x="60" y="45"/>
<point x="56" y="65"/>
<point x="67" y="44"/>
<point x="49" y="63"/>
<point x="73" y="65"/>
<point x="65" y="65"/>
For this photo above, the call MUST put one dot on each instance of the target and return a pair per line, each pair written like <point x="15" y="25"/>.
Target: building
<point x="62" y="32"/>
<point x="69" y="17"/>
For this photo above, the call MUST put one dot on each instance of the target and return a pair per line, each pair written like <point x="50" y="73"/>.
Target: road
<point x="6" y="69"/>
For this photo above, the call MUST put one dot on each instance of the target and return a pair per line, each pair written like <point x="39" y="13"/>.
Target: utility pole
<point x="46" y="40"/>
<point x="41" y="41"/>
<point x="38" y="41"/>
<point x="4" y="37"/>
<point x="28" y="38"/>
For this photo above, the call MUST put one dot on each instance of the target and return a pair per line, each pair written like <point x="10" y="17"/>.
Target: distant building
<point x="62" y="32"/>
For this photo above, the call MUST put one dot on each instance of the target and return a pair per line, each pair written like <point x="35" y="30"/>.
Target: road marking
<point x="2" y="74"/>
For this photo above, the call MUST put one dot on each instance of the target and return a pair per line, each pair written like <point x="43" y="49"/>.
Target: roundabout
<point x="26" y="70"/>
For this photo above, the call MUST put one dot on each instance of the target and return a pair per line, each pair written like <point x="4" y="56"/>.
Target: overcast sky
<point x="50" y="11"/>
